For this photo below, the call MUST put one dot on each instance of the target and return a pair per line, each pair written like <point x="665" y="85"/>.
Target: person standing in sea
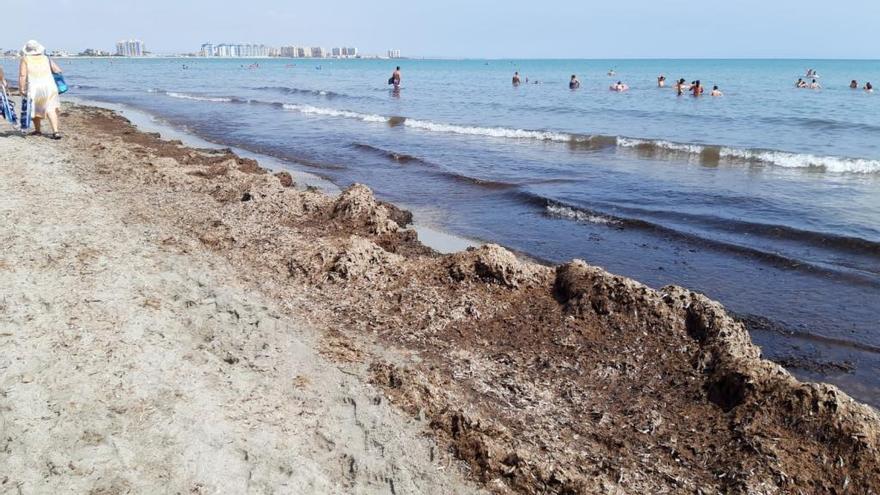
<point x="395" y="78"/>
<point x="516" y="79"/>
<point x="37" y="83"/>
<point x="680" y="87"/>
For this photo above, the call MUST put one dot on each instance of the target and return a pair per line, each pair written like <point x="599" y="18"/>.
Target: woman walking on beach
<point x="37" y="84"/>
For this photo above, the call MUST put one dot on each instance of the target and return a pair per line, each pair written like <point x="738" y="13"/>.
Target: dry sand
<point x="182" y="320"/>
<point x="122" y="367"/>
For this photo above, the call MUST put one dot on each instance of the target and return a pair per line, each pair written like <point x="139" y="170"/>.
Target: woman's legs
<point x="53" y="119"/>
<point x="38" y="122"/>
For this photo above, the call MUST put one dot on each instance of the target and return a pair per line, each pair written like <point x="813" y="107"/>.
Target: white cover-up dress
<point x="41" y="88"/>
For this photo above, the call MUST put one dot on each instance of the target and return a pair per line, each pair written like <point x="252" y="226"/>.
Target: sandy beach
<point x="183" y="320"/>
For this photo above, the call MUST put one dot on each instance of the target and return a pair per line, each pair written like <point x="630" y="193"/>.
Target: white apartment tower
<point x="130" y="48"/>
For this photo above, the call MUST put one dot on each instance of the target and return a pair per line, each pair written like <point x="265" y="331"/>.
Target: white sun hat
<point x="33" y="47"/>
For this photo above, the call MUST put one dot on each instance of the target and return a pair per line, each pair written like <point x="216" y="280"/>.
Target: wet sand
<point x="531" y="379"/>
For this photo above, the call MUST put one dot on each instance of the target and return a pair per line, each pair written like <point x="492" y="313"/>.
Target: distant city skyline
<point x="466" y="29"/>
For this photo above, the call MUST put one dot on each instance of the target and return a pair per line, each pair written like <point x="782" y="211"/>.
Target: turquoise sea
<point x="766" y="199"/>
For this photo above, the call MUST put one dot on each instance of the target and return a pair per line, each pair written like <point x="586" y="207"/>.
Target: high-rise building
<point x="318" y="52"/>
<point x="223" y="50"/>
<point x="291" y="51"/>
<point x="336" y="52"/>
<point x="240" y="50"/>
<point x="207" y="50"/>
<point x="350" y="52"/>
<point x="394" y="53"/>
<point x="130" y="48"/>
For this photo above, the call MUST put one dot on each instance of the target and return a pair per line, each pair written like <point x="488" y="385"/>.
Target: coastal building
<point x="343" y="52"/>
<point x="289" y="51"/>
<point x="236" y="50"/>
<point x="302" y="52"/>
<point x="318" y="52"/>
<point x="394" y="53"/>
<point x="94" y="52"/>
<point x="207" y="50"/>
<point x="130" y="48"/>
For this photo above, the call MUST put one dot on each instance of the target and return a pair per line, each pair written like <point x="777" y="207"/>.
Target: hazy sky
<point x="465" y="28"/>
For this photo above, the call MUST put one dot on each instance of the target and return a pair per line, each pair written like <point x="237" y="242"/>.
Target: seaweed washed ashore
<point x="539" y="379"/>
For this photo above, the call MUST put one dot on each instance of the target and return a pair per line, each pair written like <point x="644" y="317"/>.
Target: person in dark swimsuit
<point x="574" y="83"/>
<point x="395" y="78"/>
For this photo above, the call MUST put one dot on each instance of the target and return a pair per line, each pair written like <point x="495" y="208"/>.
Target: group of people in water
<point x="695" y="88"/>
<point x="855" y="85"/>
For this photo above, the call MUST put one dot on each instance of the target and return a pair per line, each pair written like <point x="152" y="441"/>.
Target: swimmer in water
<point x="815" y="85"/>
<point x="716" y="91"/>
<point x="611" y="73"/>
<point x="869" y="88"/>
<point x="619" y="87"/>
<point x="800" y="83"/>
<point x="574" y="83"/>
<point x="679" y="87"/>
<point x="697" y="88"/>
<point x="516" y="79"/>
<point x="854" y="84"/>
<point x="395" y="78"/>
<point x="661" y="81"/>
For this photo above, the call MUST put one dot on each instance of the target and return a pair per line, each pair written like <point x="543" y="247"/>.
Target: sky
<point x="465" y="28"/>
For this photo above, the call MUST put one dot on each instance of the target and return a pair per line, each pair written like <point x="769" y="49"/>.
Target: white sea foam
<point x="500" y="132"/>
<point x="695" y="149"/>
<point x="801" y="160"/>
<point x="332" y="112"/>
<point x="775" y="158"/>
<point x="785" y="159"/>
<point x="185" y="96"/>
<point x="561" y="211"/>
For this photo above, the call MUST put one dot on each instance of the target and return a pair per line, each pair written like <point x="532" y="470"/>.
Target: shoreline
<point x="433" y="237"/>
<point x="833" y="365"/>
<point x="539" y="379"/>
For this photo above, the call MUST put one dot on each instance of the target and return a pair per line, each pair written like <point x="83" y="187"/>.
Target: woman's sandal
<point x="56" y="136"/>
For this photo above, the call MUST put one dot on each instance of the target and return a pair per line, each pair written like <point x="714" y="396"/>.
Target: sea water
<point x="766" y="199"/>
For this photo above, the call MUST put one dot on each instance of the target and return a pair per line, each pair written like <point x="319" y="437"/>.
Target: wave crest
<point x="657" y="148"/>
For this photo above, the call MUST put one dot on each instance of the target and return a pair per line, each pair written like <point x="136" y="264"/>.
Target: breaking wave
<point x="297" y="91"/>
<point x="711" y="154"/>
<point x="557" y="210"/>
<point x="653" y="148"/>
<point x="332" y="112"/>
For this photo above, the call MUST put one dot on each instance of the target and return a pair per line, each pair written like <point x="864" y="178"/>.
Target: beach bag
<point x="26" y="113"/>
<point x="59" y="81"/>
